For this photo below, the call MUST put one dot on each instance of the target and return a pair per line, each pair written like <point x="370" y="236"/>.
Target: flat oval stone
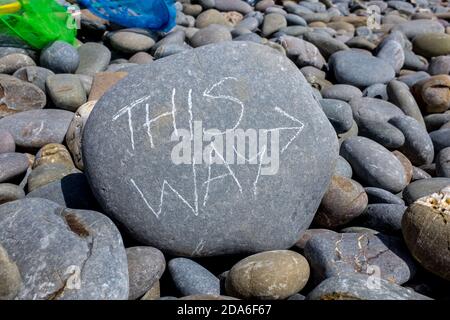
<point x="94" y="57"/>
<point x="435" y="121"/>
<point x="377" y="195"/>
<point x="374" y="109"/>
<point x="131" y="42"/>
<point x="60" y="57"/>
<point x="326" y="44"/>
<point x="422" y="188"/>
<point x="190" y="278"/>
<point x="12" y="165"/>
<point x="443" y="163"/>
<point x="331" y="254"/>
<point x="342" y="92"/>
<point x="419" y="174"/>
<point x="354" y="287"/>
<point x="344" y="201"/>
<point x="228" y="97"/>
<point x="13" y="62"/>
<point x="392" y="53"/>
<point x="233" y="5"/>
<point x="382" y="132"/>
<point x="268" y="275"/>
<point x="374" y="164"/>
<point x="66" y="91"/>
<point x="426" y="232"/>
<point x="441" y="139"/>
<point x="339" y="113"/>
<point x="64" y="254"/>
<point x="400" y="95"/>
<point x="383" y="217"/>
<point x="432" y="44"/>
<point x="36" y="128"/>
<point x="272" y="23"/>
<point x="213" y="33"/>
<point x="360" y="70"/>
<point x="7" y="143"/>
<point x="18" y="96"/>
<point x="145" y="266"/>
<point x="10" y="192"/>
<point x="414" y="61"/>
<point x="48" y="173"/>
<point x="418" y="146"/>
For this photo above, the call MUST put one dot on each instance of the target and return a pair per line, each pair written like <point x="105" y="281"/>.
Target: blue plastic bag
<point x="159" y="15"/>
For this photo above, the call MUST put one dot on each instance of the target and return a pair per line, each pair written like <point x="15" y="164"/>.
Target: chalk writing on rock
<point x="241" y="146"/>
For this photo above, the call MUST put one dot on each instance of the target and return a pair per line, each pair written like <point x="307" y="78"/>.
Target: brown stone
<point x="154" y="293"/>
<point x="268" y="275"/>
<point x="53" y="153"/>
<point x="344" y="200"/>
<point x="433" y="94"/>
<point x="407" y="165"/>
<point x="103" y="81"/>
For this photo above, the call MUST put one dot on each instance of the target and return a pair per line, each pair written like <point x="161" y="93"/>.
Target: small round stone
<point x="268" y="275"/>
<point x="344" y="201"/>
<point x="131" y="42"/>
<point x="53" y="153"/>
<point x="145" y="266"/>
<point x="211" y="34"/>
<point x="190" y="278"/>
<point x="208" y="17"/>
<point x="60" y="57"/>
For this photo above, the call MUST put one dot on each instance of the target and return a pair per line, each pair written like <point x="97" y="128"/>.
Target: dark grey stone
<point x="145" y="266"/>
<point x="233" y="5"/>
<point x="359" y="69"/>
<point x="34" y="75"/>
<point x="36" y="128"/>
<point x="72" y="191"/>
<point x="94" y="57"/>
<point x="418" y="146"/>
<point x="374" y="164"/>
<point x="330" y="254"/>
<point x="326" y="44"/>
<point x="233" y="216"/>
<point x="12" y="165"/>
<point x="419" y="174"/>
<point x="400" y="95"/>
<point x="443" y="163"/>
<point x="60" y="57"/>
<point x="295" y="20"/>
<point x="424" y="187"/>
<point x="342" y="92"/>
<point x="361" y="287"/>
<point x="436" y="120"/>
<point x="377" y="195"/>
<point x="414" y="62"/>
<point x="383" y="217"/>
<point x="392" y="52"/>
<point x="384" y="133"/>
<point x="339" y="113"/>
<point x="377" y="90"/>
<point x="374" y="109"/>
<point x="63" y="254"/>
<point x="441" y="139"/>
<point x="191" y="278"/>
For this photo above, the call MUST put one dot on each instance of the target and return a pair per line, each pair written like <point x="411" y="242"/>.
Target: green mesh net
<point x="38" y="22"/>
